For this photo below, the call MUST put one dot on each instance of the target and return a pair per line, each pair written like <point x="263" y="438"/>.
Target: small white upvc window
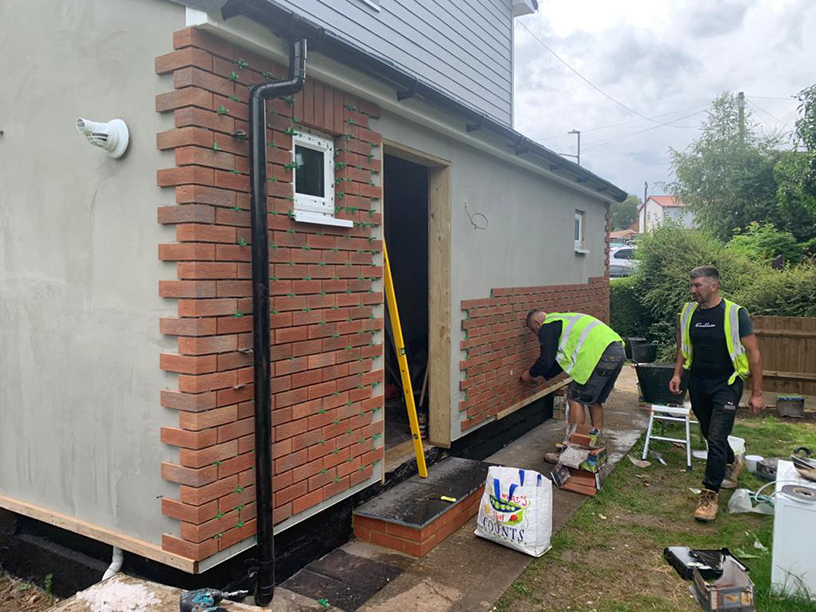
<point x="580" y="227"/>
<point x="313" y="156"/>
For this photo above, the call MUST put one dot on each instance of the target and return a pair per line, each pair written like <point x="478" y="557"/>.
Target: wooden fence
<point x="788" y="348"/>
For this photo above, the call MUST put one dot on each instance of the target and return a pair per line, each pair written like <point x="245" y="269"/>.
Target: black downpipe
<point x="258" y="95"/>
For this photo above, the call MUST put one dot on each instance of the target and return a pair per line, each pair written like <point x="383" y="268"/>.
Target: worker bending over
<point x="717" y="345"/>
<point x="588" y="350"/>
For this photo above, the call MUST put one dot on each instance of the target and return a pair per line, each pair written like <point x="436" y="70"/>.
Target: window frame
<point x="580" y="223"/>
<point x="309" y="208"/>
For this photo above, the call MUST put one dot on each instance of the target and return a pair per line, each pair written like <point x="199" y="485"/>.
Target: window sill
<point x="581" y="251"/>
<point x="318" y="219"/>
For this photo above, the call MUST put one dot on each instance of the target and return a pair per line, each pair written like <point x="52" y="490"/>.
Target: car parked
<point x="622" y="261"/>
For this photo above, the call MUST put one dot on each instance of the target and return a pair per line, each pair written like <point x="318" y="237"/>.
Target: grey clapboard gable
<point x="462" y="47"/>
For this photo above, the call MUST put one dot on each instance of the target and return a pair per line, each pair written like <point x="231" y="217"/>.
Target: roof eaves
<point x="284" y="22"/>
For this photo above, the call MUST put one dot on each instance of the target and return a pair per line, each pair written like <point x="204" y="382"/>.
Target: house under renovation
<point x="221" y="213"/>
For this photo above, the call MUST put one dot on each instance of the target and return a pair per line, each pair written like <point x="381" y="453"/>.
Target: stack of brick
<point x="581" y="462"/>
<point x="326" y="300"/>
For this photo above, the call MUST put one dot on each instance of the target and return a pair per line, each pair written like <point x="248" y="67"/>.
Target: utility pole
<point x="645" y="191"/>
<point x="578" y="156"/>
<point x="741" y="107"/>
<point x="578" y="133"/>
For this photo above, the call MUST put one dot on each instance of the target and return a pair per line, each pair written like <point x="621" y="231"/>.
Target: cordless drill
<point x="205" y="600"/>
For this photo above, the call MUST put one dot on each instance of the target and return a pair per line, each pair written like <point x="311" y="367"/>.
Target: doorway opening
<point x="406" y="196"/>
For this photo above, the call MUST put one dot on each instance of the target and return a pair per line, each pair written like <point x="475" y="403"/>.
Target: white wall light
<point x="112" y="136"/>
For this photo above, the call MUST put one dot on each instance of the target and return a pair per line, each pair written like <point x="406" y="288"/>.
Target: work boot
<point x="707" y="506"/>
<point x="732" y="472"/>
<point x="553" y="457"/>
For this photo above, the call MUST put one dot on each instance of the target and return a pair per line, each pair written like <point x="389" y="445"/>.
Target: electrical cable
<point x="475" y="225"/>
<point x="599" y="143"/>
<point x="590" y="83"/>
<point x="766" y="112"/>
<point x="614" y="125"/>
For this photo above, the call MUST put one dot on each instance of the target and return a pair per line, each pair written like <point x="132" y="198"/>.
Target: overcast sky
<point x="664" y="59"/>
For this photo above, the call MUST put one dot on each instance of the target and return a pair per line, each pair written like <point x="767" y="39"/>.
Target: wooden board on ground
<point x="533" y="398"/>
<point x="167" y="597"/>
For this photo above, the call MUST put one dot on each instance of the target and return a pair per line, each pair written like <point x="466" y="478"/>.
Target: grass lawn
<point x="608" y="557"/>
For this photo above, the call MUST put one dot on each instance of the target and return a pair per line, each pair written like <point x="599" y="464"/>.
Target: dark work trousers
<point x="714" y="403"/>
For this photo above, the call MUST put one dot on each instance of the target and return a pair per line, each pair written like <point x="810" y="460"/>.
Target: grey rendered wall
<point x="79" y="305"/>
<point x="463" y="48"/>
<point x="529" y="236"/>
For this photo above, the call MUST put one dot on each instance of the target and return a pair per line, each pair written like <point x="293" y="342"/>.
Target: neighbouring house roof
<point x="627" y="233"/>
<point x="284" y="22"/>
<point x="664" y="201"/>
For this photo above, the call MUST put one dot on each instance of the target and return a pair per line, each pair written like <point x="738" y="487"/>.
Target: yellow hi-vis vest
<point x="739" y="357"/>
<point x="583" y="340"/>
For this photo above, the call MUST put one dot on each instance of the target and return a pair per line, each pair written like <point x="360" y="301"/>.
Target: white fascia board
<point x="259" y="39"/>
<point x="524" y="7"/>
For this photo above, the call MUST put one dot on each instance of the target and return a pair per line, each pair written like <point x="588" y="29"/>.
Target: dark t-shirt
<point x="549" y="335"/>
<point x="710" y="359"/>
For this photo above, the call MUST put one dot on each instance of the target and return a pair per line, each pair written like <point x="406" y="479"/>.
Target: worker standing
<point x="588" y="350"/>
<point x="717" y="345"/>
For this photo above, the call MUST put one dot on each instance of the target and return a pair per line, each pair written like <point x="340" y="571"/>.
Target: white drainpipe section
<point x="116" y="563"/>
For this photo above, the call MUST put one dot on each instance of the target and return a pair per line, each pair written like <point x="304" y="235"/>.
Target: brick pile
<point x="326" y="289"/>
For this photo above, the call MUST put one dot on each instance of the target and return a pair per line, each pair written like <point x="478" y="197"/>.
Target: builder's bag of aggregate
<point x="516" y="510"/>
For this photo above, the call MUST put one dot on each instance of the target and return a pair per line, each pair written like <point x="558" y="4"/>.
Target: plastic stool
<point x="678" y="414"/>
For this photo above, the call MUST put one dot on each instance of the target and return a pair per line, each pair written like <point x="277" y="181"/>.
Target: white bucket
<point x="738" y="445"/>
<point x="751" y="462"/>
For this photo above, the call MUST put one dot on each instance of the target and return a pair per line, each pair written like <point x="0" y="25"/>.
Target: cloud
<point x="707" y="18"/>
<point x="664" y="60"/>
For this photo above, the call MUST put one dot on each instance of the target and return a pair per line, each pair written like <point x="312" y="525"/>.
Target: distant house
<point x="657" y="209"/>
<point x="621" y="237"/>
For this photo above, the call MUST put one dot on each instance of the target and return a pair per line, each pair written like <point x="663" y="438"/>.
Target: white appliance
<point x="793" y="568"/>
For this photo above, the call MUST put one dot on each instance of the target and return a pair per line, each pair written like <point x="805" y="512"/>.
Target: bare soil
<point x="19" y="596"/>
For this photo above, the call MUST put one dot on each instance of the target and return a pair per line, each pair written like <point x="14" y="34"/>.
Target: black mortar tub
<point x="654" y="379"/>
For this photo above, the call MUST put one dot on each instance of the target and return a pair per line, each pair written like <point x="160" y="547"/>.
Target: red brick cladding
<point x="497" y="342"/>
<point x="325" y="285"/>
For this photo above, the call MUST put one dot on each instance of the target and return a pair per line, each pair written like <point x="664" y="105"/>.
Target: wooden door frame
<point x="439" y="286"/>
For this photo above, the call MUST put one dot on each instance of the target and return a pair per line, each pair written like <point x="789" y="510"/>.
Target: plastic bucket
<point x="644" y="353"/>
<point x="737" y="445"/>
<point x="751" y="462"/>
<point x="654" y="379"/>
<point x="630" y="342"/>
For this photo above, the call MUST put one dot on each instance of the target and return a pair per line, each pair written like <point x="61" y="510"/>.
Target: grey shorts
<point x="596" y="390"/>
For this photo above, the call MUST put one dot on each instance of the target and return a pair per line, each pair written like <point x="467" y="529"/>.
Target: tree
<point x="806" y="133"/>
<point x="625" y="213"/>
<point x="763" y="242"/>
<point x="797" y="206"/>
<point x="728" y="182"/>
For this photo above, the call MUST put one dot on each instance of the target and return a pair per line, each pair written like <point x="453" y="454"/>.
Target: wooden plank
<point x="413" y="155"/>
<point x="439" y="320"/>
<point x="533" y="398"/>
<point x="102" y="534"/>
<point x="789" y="375"/>
<point x="167" y="597"/>
<point x="791" y="333"/>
